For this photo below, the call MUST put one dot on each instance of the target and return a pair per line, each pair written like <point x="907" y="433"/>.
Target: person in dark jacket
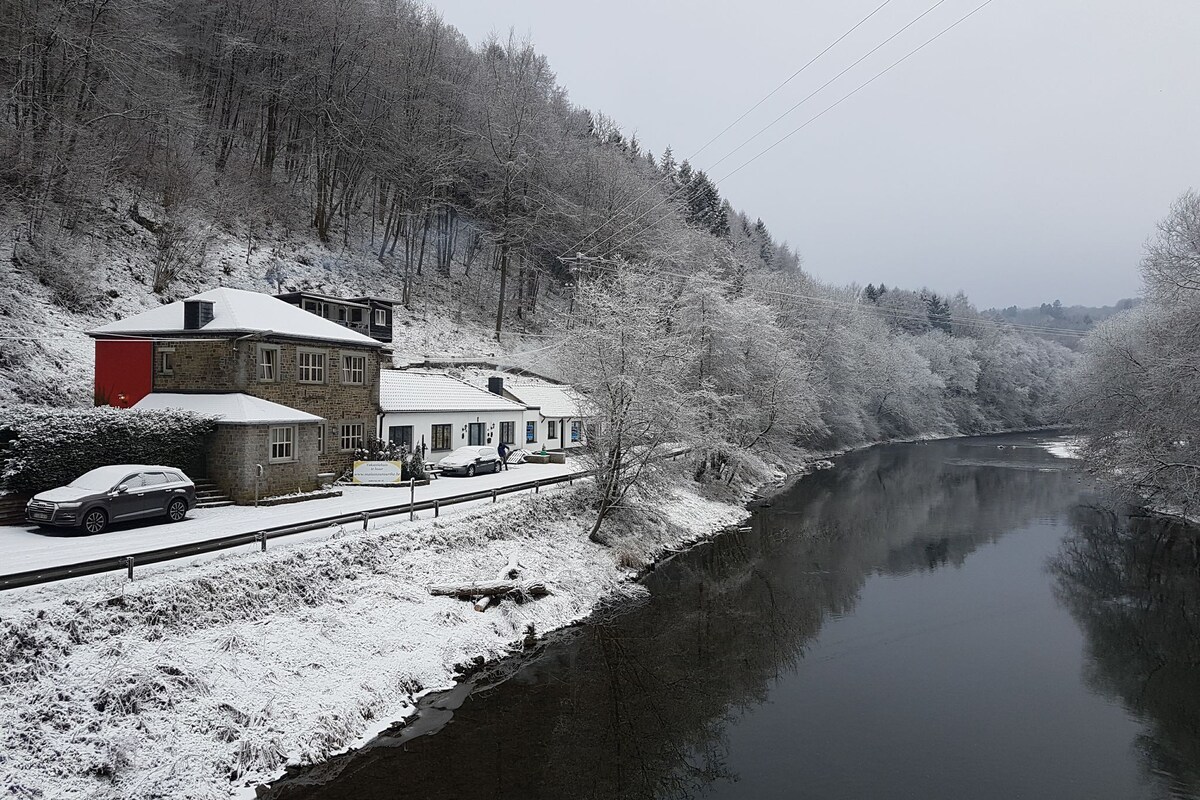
<point x="503" y="451"/>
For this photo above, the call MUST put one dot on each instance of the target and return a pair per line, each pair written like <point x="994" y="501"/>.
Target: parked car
<point x="115" y="494"/>
<point x="470" y="460"/>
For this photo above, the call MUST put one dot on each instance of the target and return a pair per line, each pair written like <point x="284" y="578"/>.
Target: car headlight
<point x="68" y="505"/>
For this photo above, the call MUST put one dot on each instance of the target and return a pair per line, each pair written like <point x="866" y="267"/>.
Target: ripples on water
<point x="962" y="619"/>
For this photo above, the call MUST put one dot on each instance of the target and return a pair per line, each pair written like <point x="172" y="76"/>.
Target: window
<point x="321" y="438"/>
<point x="166" y="361"/>
<point x="352" y="436"/>
<point x="268" y="363"/>
<point x="551" y="430"/>
<point x="283" y="444"/>
<point x="310" y="366"/>
<point x="154" y="479"/>
<point x="354" y="369"/>
<point x="507" y="432"/>
<point x="576" y="430"/>
<point x="440" y="438"/>
<point x="530" y="432"/>
<point x="381" y="317"/>
<point x="356" y="315"/>
<point x="401" y="435"/>
<point x="312" y="306"/>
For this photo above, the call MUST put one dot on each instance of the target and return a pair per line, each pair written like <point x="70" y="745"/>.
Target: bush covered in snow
<point x="46" y="447"/>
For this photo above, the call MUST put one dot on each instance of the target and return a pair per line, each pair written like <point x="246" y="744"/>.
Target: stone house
<point x="233" y="342"/>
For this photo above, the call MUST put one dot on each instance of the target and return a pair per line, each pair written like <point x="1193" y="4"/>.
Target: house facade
<point x="370" y="316"/>
<point x="440" y="413"/>
<point x="232" y="342"/>
<point x="556" y="416"/>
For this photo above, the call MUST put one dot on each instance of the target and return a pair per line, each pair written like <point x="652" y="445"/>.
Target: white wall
<point x="542" y="429"/>
<point x="424" y="421"/>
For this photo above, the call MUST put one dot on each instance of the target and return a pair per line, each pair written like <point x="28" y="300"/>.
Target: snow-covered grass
<point x="202" y="678"/>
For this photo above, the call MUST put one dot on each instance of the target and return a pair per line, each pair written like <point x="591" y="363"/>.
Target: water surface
<point x="961" y="619"/>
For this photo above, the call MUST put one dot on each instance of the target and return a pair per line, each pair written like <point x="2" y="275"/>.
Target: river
<point x="960" y="619"/>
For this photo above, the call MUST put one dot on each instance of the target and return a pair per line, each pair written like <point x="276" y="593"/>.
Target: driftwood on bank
<point x="487" y="593"/>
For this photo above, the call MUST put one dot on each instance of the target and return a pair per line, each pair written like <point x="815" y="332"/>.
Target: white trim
<point x="381" y="317"/>
<point x="361" y="437"/>
<point x="301" y="368"/>
<point x="348" y="371"/>
<point x="163" y="367"/>
<point x="259" y="363"/>
<point x="287" y="444"/>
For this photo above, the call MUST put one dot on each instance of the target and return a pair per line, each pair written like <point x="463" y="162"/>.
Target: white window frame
<point x="311" y="369"/>
<point x="348" y="371"/>
<point x="351" y="438"/>
<point x="281" y="448"/>
<point x="166" y="361"/>
<point x="260" y="363"/>
<point x="321" y="438"/>
<point x="381" y="317"/>
<point x="551" y="429"/>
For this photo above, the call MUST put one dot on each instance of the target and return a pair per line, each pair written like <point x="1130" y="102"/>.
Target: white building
<point x="444" y="413"/>
<point x="556" y="416"/>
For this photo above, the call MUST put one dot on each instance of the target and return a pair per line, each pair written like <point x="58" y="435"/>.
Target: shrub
<point x="48" y="447"/>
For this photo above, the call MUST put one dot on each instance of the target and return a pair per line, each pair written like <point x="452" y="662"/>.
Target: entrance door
<point x="475" y="433"/>
<point x="401" y="435"/>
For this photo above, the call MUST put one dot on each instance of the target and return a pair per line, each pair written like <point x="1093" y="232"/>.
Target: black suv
<point x="115" y="494"/>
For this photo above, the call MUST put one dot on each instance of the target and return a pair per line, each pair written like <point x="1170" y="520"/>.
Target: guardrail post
<point x="493" y="495"/>
<point x="262" y="541"/>
<point x="537" y="486"/>
<point x="366" y="515"/>
<point x="129" y="566"/>
<point x="436" y="508"/>
<point x="412" y="499"/>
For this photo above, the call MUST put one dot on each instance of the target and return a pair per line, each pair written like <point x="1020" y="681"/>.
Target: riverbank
<point x="203" y="678"/>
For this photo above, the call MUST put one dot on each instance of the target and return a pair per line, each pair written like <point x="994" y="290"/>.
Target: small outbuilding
<point x="253" y="436"/>
<point x="441" y="413"/>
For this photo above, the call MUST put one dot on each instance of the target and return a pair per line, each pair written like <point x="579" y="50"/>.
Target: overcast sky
<point x="1023" y="157"/>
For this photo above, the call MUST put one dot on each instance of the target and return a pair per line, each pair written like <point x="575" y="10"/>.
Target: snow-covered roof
<point x="403" y="390"/>
<point x="230" y="409"/>
<point x="241" y="312"/>
<point x="552" y="401"/>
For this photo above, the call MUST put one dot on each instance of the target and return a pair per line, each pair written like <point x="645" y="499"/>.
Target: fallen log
<point x="499" y="588"/>
<point x="511" y="570"/>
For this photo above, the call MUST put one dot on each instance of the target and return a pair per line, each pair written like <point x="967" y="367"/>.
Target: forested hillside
<point x="1136" y="391"/>
<point x="152" y="148"/>
<point x="1056" y="316"/>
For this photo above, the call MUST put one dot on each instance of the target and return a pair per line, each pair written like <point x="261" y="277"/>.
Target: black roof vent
<point x="496" y="386"/>
<point x="197" y="314"/>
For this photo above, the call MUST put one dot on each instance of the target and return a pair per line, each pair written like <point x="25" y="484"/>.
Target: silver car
<point x="470" y="460"/>
<point x="118" y="493"/>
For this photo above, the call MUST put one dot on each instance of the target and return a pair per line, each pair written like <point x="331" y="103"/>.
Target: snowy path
<point x="24" y="547"/>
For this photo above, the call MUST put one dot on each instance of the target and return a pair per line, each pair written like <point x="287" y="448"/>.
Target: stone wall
<point x="234" y="450"/>
<point x="227" y="365"/>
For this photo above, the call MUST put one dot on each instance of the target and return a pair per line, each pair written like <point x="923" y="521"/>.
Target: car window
<point x="153" y="478"/>
<point x="487" y="452"/>
<point x="132" y="481"/>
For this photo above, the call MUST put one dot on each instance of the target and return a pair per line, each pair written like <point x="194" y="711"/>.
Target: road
<point x="25" y="547"/>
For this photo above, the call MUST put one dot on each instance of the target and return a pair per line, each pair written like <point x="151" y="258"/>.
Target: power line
<point x="858" y="306"/>
<point x="793" y="132"/>
<point x="747" y="112"/>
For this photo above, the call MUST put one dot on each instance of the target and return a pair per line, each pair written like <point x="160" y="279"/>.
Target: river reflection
<point x="885" y="629"/>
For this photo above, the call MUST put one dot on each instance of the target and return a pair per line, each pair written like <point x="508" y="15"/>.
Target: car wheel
<point x="177" y="510"/>
<point x="95" y="521"/>
<point x="471" y="471"/>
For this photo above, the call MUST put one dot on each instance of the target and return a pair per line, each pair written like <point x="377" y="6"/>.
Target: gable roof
<point x="552" y="401"/>
<point x="230" y="409"/>
<point x="236" y="311"/>
<point x="403" y="390"/>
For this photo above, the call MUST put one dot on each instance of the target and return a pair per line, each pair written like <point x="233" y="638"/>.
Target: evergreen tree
<point x="871" y="293"/>
<point x="668" y="167"/>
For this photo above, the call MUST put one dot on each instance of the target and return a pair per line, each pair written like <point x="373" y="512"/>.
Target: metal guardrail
<point x="145" y="557"/>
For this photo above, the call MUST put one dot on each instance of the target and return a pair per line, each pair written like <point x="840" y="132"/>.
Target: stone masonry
<point x="231" y="365"/>
<point x="235" y="450"/>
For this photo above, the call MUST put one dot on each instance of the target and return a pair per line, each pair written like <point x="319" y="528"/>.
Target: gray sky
<point x="1023" y="157"/>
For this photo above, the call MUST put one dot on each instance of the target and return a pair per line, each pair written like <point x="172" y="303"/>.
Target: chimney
<point x="197" y="314"/>
<point x="496" y="386"/>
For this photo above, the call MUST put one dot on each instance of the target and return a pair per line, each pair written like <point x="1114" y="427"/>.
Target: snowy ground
<point x="27" y="547"/>
<point x="172" y="685"/>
